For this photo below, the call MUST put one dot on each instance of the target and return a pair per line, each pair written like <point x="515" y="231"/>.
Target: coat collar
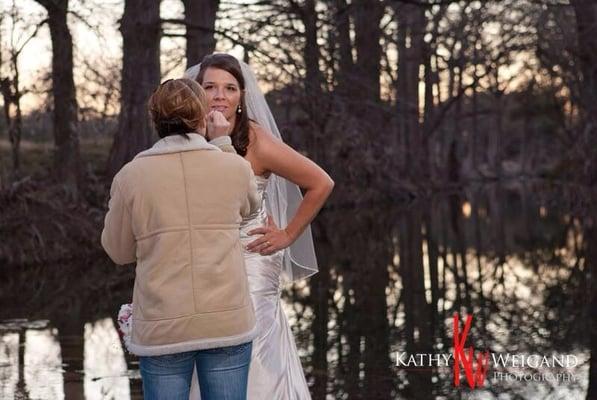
<point x="177" y="144"/>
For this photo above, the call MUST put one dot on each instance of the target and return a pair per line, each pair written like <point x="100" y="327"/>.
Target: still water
<point x="378" y="320"/>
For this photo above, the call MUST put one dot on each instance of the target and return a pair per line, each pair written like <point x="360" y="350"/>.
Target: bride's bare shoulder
<point x="258" y="134"/>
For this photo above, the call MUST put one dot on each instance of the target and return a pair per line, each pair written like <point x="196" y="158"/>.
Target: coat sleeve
<point x="118" y="239"/>
<point x="253" y="202"/>
<point x="224" y="143"/>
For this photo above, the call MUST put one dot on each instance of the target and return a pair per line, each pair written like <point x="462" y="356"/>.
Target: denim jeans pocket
<point x="233" y="350"/>
<point x="168" y="359"/>
<point x="230" y="350"/>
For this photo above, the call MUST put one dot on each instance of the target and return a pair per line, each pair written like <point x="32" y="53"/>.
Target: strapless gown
<point x="275" y="372"/>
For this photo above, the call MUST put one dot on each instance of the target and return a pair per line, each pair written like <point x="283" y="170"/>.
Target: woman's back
<point x="185" y="200"/>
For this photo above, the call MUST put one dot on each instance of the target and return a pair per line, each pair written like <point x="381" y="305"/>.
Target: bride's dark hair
<point x="240" y="132"/>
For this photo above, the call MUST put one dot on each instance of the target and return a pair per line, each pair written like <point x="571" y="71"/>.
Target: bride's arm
<point x="275" y="156"/>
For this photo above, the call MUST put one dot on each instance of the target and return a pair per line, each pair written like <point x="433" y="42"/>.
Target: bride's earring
<point x="239" y="109"/>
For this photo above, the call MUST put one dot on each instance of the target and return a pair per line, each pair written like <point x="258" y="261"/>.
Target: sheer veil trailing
<point x="282" y="196"/>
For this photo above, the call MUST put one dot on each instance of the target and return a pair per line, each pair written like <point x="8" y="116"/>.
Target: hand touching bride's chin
<point x="217" y="125"/>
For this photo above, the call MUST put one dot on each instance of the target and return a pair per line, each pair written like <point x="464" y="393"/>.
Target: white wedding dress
<point x="275" y="372"/>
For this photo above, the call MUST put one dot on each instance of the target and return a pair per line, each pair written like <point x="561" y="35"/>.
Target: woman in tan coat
<point x="175" y="210"/>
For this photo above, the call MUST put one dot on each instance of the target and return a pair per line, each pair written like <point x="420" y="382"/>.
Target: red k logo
<point x="474" y="376"/>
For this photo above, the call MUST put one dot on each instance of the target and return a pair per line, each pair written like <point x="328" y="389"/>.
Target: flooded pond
<point x="378" y="321"/>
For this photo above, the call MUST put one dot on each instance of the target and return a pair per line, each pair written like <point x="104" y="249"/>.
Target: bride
<point x="278" y="255"/>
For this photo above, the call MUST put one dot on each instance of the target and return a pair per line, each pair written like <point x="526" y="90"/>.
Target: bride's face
<point x="223" y="91"/>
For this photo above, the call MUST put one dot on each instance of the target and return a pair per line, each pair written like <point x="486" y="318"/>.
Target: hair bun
<point x="172" y="126"/>
<point x="178" y="107"/>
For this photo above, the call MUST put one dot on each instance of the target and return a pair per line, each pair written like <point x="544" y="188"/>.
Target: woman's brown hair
<point x="178" y="107"/>
<point x="240" y="131"/>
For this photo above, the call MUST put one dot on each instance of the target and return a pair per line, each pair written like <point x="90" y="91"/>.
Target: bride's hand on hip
<point x="217" y="125"/>
<point x="273" y="239"/>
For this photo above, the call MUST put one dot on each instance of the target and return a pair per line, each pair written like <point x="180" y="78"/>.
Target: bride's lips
<point x="219" y="108"/>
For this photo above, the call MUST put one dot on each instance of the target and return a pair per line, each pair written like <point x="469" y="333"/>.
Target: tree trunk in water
<point x="415" y="59"/>
<point x="66" y="154"/>
<point x="353" y="324"/>
<point x="479" y="251"/>
<point x="365" y="279"/>
<point x="417" y="313"/>
<point x="345" y="60"/>
<point x="432" y="259"/>
<point x="527" y="132"/>
<point x="72" y="345"/>
<point x="21" y="384"/>
<point x="365" y="88"/>
<point x="495" y="205"/>
<point x="200" y="19"/>
<point x="411" y="26"/>
<point x="591" y="262"/>
<point x="474" y="139"/>
<point x="311" y="51"/>
<point x="429" y="110"/>
<point x="494" y="153"/>
<point x="319" y="299"/>
<point x="372" y="304"/>
<point x="140" y="29"/>
<point x="590" y="245"/>
<point x="402" y="140"/>
<point x="452" y="161"/>
<point x="313" y="78"/>
<point x="586" y="26"/>
<point x="367" y="17"/>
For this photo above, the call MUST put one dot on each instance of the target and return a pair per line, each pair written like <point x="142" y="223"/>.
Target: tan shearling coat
<point x="175" y="210"/>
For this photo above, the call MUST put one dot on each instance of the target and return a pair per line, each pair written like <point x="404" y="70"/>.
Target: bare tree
<point x="66" y="138"/>
<point x="100" y="99"/>
<point x="200" y="21"/>
<point x="140" y="29"/>
<point x="10" y="86"/>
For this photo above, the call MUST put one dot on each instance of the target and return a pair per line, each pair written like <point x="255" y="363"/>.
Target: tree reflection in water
<point x="520" y="258"/>
<point x="515" y="257"/>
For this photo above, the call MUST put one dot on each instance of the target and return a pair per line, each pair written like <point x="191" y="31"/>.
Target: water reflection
<point x="43" y="365"/>
<point x="32" y="365"/>
<point x="9" y="365"/>
<point x="514" y="257"/>
<point x="521" y="259"/>
<point x="105" y="365"/>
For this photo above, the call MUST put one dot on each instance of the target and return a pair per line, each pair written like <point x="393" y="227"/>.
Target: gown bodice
<point x="259" y="217"/>
<point x="263" y="272"/>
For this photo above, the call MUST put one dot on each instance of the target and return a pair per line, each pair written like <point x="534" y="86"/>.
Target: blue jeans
<point x="223" y="373"/>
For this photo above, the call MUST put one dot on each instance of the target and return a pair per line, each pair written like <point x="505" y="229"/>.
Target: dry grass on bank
<point x="37" y="157"/>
